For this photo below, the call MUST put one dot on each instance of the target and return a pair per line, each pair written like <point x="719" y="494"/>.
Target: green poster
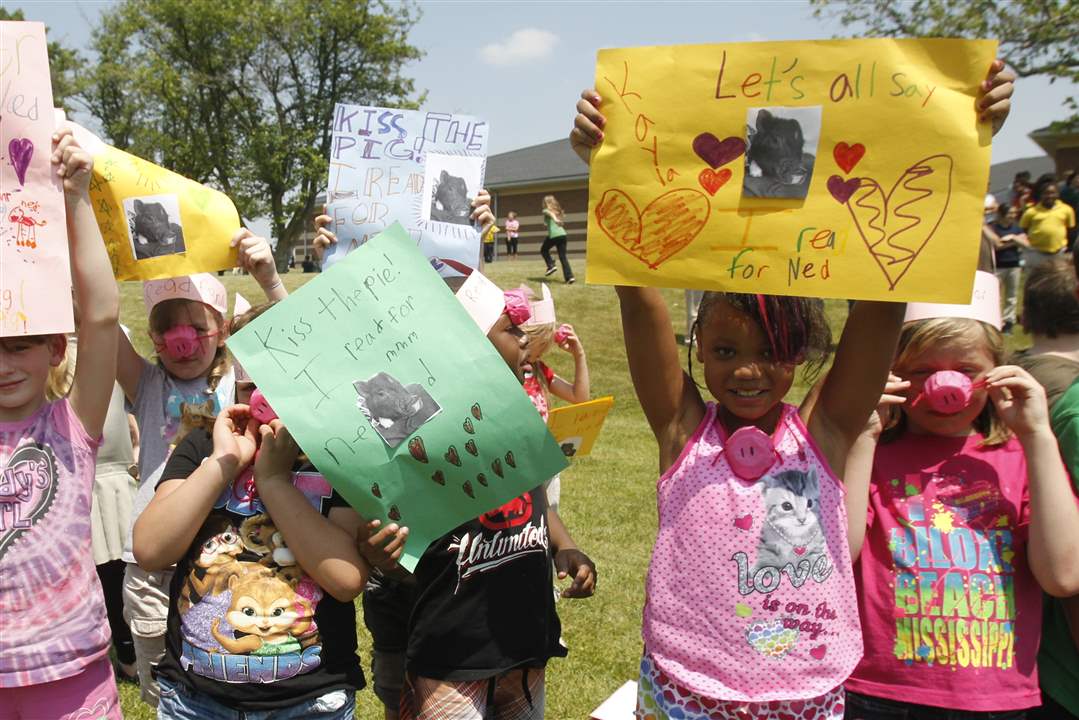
<point x="396" y="395"/>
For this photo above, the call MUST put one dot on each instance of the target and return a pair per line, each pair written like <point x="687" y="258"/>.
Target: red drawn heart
<point x="376" y="490"/>
<point x="394" y="513"/>
<point x="718" y="152"/>
<point x="452" y="456"/>
<point x="510" y="460"/>
<point x="467" y="487"/>
<point x="819" y="652"/>
<point x="439" y="477"/>
<point x="482" y="479"/>
<point x="669" y="223"/>
<point x="842" y="189"/>
<point x="799" y="551"/>
<point x="471" y="447"/>
<point x="847" y="156"/>
<point x="417" y="450"/>
<point x="744" y="523"/>
<point x="711" y="180"/>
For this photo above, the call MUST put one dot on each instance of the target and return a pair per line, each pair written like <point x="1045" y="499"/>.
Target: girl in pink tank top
<point x="750" y="608"/>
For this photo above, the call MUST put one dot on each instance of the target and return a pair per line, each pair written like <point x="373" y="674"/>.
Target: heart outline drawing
<point x="19" y="151"/>
<point x="668" y="224"/>
<point x="922" y="191"/>
<point x="31" y="473"/>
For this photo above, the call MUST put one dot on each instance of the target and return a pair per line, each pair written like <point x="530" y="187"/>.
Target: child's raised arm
<point x="256" y="258"/>
<point x="669" y="399"/>
<point x="580" y="390"/>
<point x="96" y="295"/>
<point x="853" y="386"/>
<point x="324" y="547"/>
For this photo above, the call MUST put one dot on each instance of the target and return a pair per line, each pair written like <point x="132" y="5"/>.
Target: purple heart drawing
<point x="718" y="152"/>
<point x="19" y="151"/>
<point x="842" y="189"/>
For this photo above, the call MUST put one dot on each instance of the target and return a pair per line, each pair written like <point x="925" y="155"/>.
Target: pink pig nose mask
<point x="260" y="408"/>
<point x="181" y="342"/>
<point x="948" y="392"/>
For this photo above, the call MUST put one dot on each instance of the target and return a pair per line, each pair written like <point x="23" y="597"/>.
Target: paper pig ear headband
<point x="542" y="309"/>
<point x="203" y="288"/>
<point x="984" y="304"/>
<point x="485" y="302"/>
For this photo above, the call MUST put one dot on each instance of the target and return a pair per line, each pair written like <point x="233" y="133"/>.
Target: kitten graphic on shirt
<point x="792" y="530"/>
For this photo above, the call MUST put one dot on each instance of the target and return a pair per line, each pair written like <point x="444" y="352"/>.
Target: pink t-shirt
<point x="950" y="609"/>
<point x="52" y="613"/>
<point x="511" y="228"/>
<point x="750" y="592"/>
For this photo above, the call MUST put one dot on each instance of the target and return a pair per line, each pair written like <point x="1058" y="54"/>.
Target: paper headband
<point x="542" y="309"/>
<point x="203" y="288"/>
<point x="485" y="302"/>
<point x="984" y="304"/>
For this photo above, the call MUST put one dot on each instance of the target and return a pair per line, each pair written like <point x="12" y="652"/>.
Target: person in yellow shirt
<point x="489" y="244"/>
<point x="1046" y="223"/>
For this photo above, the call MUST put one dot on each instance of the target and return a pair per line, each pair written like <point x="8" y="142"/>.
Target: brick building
<point x="519" y="179"/>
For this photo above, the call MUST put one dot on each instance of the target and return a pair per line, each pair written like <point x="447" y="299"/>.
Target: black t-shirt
<point x="246" y="625"/>
<point x="1007" y="257"/>
<point x="484" y="599"/>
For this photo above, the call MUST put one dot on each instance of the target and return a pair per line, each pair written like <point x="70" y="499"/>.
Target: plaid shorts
<point x="516" y="695"/>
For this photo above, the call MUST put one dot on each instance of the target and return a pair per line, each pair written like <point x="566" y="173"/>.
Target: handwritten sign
<point x="421" y="169"/>
<point x="380" y="338"/>
<point x="576" y="427"/>
<point x="35" y="270"/>
<point x="157" y="224"/>
<point x="842" y="168"/>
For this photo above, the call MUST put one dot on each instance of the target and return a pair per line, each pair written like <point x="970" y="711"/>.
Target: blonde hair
<point x="540" y="339"/>
<point x="554" y="206"/>
<point x="165" y="314"/>
<point x="919" y="336"/>
<point x="61" y="377"/>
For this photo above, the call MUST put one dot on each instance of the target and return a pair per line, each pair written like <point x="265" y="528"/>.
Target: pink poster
<point x="35" y="275"/>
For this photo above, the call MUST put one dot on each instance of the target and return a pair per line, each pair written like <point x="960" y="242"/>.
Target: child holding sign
<point x="751" y="607"/>
<point x="483" y="625"/>
<point x="969" y="510"/>
<point x="191" y="378"/>
<point x="261" y="614"/>
<point x="541" y="381"/>
<point x="54" y="640"/>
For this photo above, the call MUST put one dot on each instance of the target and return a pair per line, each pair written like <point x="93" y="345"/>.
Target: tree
<point x="1037" y="37"/>
<point x="63" y="64"/>
<point x="240" y="94"/>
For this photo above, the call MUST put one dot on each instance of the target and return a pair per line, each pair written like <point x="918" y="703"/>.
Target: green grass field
<point x="608" y="501"/>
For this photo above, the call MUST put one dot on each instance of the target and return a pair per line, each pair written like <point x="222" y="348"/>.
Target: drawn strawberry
<point x="469" y="428"/>
<point x="376" y="490"/>
<point x="416" y="448"/>
<point x="482" y="479"/>
<point x="477" y="412"/>
<point x="452" y="456"/>
<point x="467" y="487"/>
<point x="496" y="465"/>
<point x="510" y="459"/>
<point x="394" y="513"/>
<point x="439" y="477"/>
<point x="471" y="447"/>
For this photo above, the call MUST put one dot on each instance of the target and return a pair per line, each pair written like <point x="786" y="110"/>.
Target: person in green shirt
<point x="555" y="220"/>
<point x="1058" y="658"/>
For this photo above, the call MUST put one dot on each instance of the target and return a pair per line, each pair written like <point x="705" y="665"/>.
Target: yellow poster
<point x="157" y="224"/>
<point x="838" y="168"/>
<point x="576" y="427"/>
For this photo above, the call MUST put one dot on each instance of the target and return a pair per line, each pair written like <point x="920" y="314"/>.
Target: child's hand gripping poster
<point x="157" y="224"/>
<point x="841" y="168"/>
<point x="421" y="169"/>
<point x="35" y="271"/>
<point x="396" y="395"/>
